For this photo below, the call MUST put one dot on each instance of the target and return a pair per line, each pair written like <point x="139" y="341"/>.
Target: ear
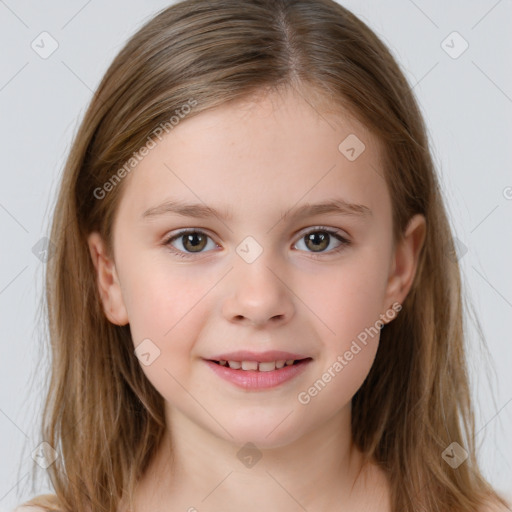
<point x="405" y="261"/>
<point x="108" y="281"/>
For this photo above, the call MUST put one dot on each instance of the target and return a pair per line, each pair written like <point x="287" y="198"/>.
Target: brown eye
<point x="186" y="243"/>
<point x="194" y="242"/>
<point x="317" y="241"/>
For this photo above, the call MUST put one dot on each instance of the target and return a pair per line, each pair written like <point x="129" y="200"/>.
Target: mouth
<point x="258" y="376"/>
<point x="267" y="366"/>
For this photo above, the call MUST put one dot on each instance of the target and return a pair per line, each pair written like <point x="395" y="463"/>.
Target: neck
<point x="195" y="468"/>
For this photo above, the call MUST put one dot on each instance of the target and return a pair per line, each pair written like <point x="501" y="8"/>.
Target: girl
<point x="253" y="297"/>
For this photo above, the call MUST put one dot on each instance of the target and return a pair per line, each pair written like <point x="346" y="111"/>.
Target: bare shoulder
<point x="498" y="507"/>
<point x="41" y="503"/>
<point x="30" y="508"/>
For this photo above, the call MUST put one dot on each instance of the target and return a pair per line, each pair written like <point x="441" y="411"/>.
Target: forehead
<point x="255" y="157"/>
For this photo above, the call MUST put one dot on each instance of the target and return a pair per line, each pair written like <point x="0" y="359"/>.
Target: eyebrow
<point x="202" y="211"/>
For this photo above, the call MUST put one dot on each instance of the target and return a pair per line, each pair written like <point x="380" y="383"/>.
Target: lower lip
<point x="254" y="379"/>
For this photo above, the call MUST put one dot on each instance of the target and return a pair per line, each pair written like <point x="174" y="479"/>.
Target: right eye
<point x="191" y="240"/>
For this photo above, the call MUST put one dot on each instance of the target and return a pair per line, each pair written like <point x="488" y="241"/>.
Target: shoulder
<point x="498" y="507"/>
<point x="30" y="508"/>
<point x="41" y="503"/>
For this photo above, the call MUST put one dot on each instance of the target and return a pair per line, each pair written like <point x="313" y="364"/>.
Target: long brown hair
<point x="102" y="415"/>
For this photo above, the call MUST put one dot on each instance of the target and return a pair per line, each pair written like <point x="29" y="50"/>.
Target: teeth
<point x="249" y="365"/>
<point x="254" y="365"/>
<point x="267" y="367"/>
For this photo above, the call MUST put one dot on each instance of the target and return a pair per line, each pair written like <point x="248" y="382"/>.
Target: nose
<point x="259" y="295"/>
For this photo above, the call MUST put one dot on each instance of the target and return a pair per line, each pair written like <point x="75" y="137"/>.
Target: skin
<point x="257" y="159"/>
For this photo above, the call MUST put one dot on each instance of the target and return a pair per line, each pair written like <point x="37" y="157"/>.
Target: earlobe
<point x="107" y="281"/>
<point x="405" y="261"/>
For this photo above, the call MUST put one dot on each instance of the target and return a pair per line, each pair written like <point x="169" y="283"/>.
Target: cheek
<point x="348" y="297"/>
<point x="166" y="308"/>
<point x="349" y="351"/>
<point x="158" y="297"/>
<point x="166" y="311"/>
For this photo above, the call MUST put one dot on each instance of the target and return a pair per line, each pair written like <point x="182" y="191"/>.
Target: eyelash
<point x="344" y="241"/>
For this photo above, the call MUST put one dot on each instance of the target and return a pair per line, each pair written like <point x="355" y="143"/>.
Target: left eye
<point x="315" y="241"/>
<point x="319" y="239"/>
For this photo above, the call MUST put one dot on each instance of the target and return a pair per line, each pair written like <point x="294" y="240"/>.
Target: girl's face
<point x="262" y="273"/>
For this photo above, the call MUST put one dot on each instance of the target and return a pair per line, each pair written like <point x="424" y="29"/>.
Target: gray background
<point x="467" y="104"/>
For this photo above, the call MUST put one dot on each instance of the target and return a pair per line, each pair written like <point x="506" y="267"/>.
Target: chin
<point x="266" y="434"/>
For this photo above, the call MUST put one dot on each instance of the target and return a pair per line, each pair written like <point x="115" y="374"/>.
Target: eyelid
<point x="185" y="231"/>
<point x="331" y="230"/>
<point x="300" y="233"/>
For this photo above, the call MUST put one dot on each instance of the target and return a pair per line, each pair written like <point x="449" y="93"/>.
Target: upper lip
<point x="262" y="357"/>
